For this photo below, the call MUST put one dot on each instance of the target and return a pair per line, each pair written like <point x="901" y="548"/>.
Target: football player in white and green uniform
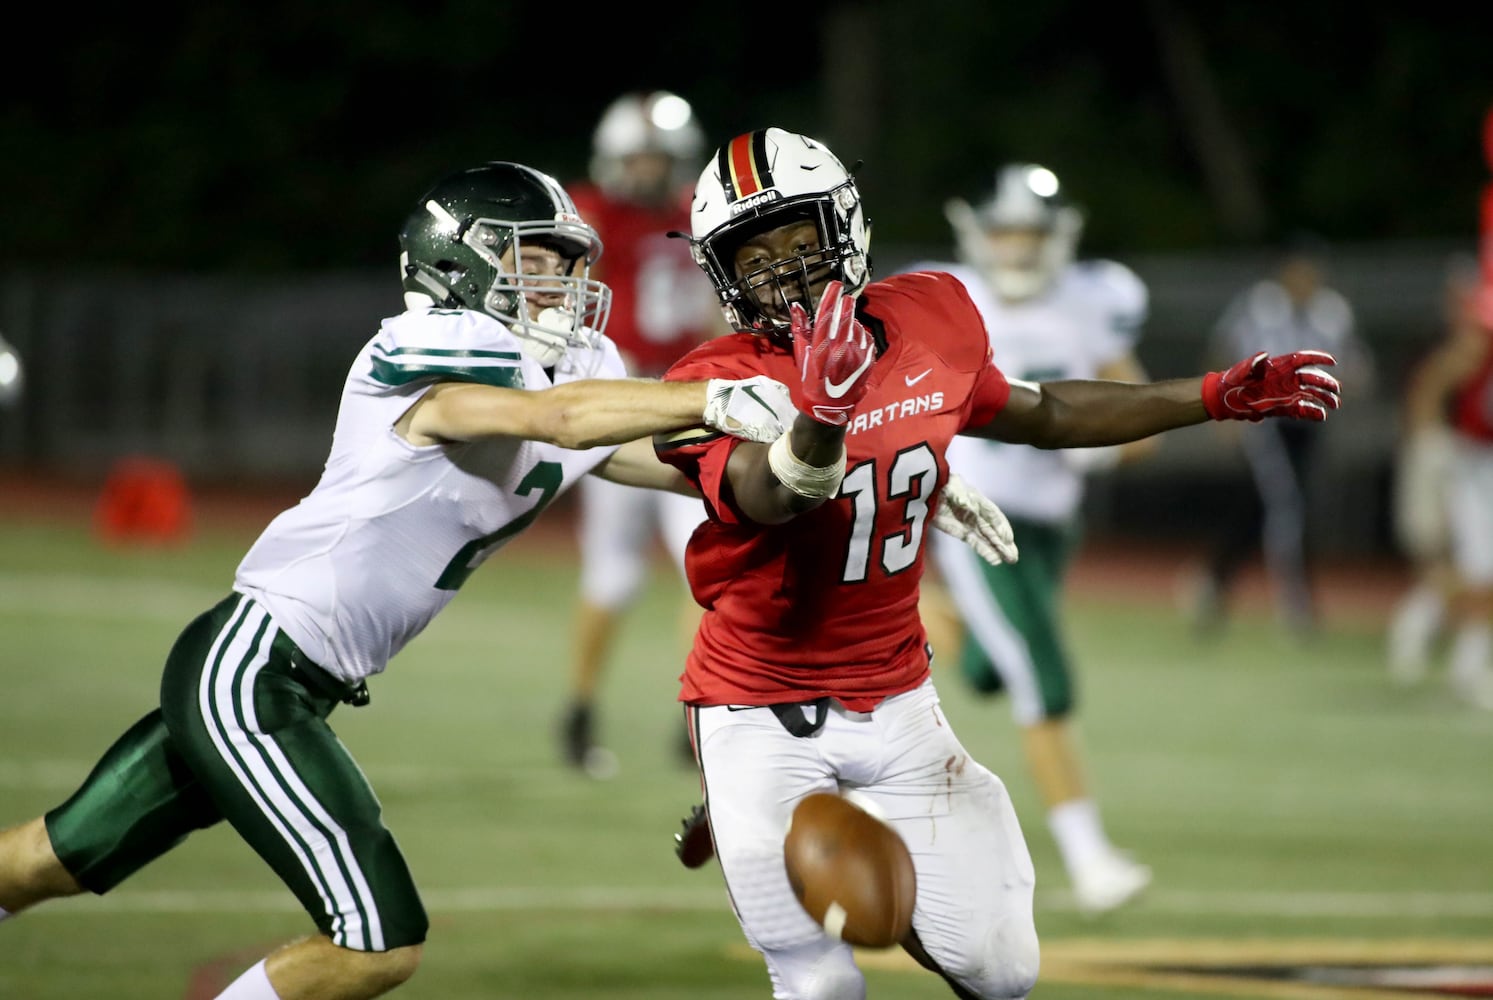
<point x="1049" y="317"/>
<point x="460" y="421"/>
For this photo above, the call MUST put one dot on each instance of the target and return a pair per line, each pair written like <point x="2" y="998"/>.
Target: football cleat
<point x="578" y="746"/>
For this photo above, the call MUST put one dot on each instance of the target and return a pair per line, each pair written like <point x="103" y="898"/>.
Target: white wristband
<point x="813" y="481"/>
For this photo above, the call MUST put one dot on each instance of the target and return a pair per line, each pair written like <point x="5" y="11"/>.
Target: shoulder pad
<point x="935" y="308"/>
<point x="454" y="344"/>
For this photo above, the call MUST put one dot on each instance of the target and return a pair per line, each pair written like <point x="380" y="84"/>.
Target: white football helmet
<point x="654" y="122"/>
<point x="764" y="179"/>
<point x="12" y="374"/>
<point x="1023" y="235"/>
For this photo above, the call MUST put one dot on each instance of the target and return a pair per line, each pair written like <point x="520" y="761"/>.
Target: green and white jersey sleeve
<point x="363" y="563"/>
<point x="1093" y="314"/>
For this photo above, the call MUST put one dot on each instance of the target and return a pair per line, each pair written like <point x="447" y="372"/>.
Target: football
<point x="851" y="871"/>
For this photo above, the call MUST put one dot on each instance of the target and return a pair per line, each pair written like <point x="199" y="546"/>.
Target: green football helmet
<point x="452" y="250"/>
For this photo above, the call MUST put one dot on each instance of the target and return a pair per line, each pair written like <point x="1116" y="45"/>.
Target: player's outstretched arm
<point x="636" y="463"/>
<point x="1092" y="413"/>
<point x="803" y="467"/>
<point x="591" y="412"/>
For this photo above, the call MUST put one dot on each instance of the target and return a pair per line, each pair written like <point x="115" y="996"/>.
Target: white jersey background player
<point x="459" y="422"/>
<point x="1049" y="317"/>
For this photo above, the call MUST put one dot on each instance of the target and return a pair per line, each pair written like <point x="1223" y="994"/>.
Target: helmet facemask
<point x="761" y="181"/>
<point x="758" y="300"/>
<point x="551" y="314"/>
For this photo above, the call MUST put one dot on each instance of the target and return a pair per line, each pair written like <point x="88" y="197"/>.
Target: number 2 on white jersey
<point x="546" y="478"/>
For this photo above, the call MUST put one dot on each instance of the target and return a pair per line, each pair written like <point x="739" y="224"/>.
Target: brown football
<point x="850" y="870"/>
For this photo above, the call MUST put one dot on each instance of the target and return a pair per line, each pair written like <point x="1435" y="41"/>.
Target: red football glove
<point x="1263" y="386"/>
<point x="834" y="358"/>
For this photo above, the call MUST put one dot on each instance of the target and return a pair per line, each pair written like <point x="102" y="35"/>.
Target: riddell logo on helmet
<point x="752" y="201"/>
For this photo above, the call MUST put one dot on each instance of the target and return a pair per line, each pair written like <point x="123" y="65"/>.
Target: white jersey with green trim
<point x="1092" y="315"/>
<point x="362" y="564"/>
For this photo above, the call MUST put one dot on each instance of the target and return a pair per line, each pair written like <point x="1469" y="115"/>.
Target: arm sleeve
<point x="956" y="332"/>
<point x="988" y="396"/>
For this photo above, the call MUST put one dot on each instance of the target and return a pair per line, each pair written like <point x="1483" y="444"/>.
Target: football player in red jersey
<point x="646" y="151"/>
<point x="810" y="669"/>
<point x="1449" y="407"/>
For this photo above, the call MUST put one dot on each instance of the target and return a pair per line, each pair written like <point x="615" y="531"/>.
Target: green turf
<point x="1281" y="791"/>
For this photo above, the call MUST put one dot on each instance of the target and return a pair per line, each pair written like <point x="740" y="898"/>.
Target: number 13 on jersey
<point x="913" y="476"/>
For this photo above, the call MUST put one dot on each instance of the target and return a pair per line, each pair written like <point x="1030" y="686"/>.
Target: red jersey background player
<point x="646" y="152"/>
<point x="1445" y="484"/>
<point x="809" y="671"/>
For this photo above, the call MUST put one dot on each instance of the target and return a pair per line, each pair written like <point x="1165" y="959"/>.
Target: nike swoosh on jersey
<point x="837" y="389"/>
<point x="913" y="380"/>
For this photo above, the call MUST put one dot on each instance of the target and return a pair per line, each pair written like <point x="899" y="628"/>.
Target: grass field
<point x="1299" y="811"/>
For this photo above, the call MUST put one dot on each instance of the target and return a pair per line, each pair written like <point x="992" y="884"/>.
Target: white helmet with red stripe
<point x="635" y="125"/>
<point x="762" y="180"/>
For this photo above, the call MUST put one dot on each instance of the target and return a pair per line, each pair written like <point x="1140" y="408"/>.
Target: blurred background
<point x="200" y="219"/>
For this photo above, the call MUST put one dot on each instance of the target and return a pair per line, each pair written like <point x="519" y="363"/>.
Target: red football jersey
<point x="827" y="604"/>
<point x="662" y="303"/>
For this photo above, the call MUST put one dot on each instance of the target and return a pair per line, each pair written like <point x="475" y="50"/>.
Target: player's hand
<point x="757" y="408"/>
<point x="1286" y="385"/>
<point x="834" y="356"/>
<point x="975" y="520"/>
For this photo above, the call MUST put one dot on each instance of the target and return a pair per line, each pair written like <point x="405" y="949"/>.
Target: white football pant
<point x="974" y="873"/>
<point x="1471" y="502"/>
<point x="617" y="527"/>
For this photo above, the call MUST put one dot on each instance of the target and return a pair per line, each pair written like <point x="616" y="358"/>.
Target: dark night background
<point x="286" y="135"/>
<point x="202" y="200"/>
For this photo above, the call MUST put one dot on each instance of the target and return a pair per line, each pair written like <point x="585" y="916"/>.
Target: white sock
<point x="1413" y="629"/>
<point x="4" y="913"/>
<point x="252" y="985"/>
<point x="1079" y="834"/>
<point x="1472" y="652"/>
